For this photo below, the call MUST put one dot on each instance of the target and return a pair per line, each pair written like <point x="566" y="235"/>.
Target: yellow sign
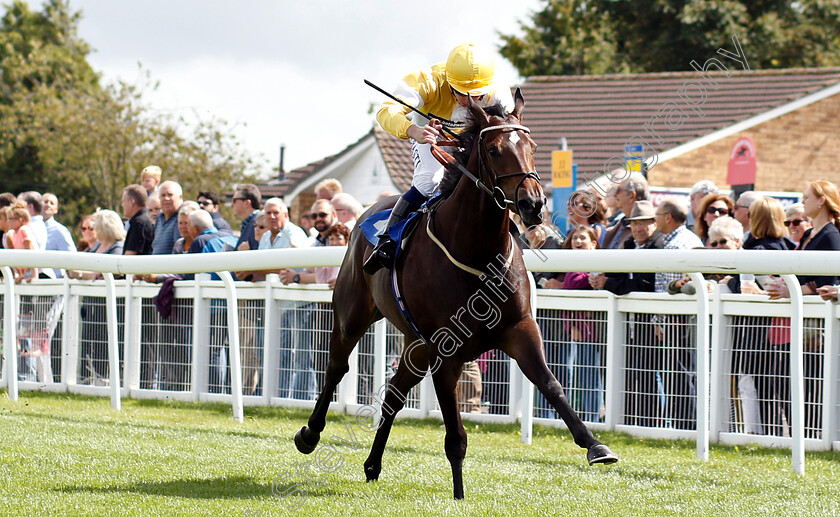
<point x="561" y="169"/>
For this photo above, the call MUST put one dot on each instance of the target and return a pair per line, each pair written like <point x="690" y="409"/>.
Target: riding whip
<point x="429" y="116"/>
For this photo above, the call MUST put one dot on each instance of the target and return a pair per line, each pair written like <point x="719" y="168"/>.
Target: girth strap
<point x="452" y="259"/>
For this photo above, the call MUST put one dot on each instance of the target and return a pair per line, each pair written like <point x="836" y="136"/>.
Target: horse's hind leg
<point x="413" y="365"/>
<point x="349" y="327"/>
<point x="523" y="343"/>
<point x="455" y="443"/>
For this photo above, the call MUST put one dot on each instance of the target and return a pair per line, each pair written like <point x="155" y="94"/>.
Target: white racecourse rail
<point x="621" y="359"/>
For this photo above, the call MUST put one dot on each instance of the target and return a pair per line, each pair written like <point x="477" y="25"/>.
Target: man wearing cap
<point x="626" y="194"/>
<point x="443" y="90"/>
<point x="643" y="357"/>
<point x="644" y="236"/>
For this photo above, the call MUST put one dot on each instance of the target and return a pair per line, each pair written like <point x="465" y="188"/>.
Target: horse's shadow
<point x="226" y="487"/>
<point x="238" y="487"/>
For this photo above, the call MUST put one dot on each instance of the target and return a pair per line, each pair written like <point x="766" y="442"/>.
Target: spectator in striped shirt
<point x="673" y="332"/>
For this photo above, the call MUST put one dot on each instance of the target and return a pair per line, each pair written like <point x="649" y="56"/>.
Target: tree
<point x="567" y="38"/>
<point x="63" y="132"/>
<point x="614" y="36"/>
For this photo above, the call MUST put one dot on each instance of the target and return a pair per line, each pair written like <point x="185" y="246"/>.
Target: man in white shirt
<point x="58" y="236"/>
<point x="347" y="209"/>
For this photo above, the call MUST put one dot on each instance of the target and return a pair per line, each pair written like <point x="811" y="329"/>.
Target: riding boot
<point x="385" y="251"/>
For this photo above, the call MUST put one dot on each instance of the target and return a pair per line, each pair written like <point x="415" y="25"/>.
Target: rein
<point x="496" y="192"/>
<point x="460" y="265"/>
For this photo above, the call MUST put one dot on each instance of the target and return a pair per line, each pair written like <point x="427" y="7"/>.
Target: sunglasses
<point x="721" y="242"/>
<point x="794" y="222"/>
<point x="87" y="228"/>
<point x="261" y="227"/>
<point x="715" y="210"/>
<point x="205" y="203"/>
<point x="316" y="215"/>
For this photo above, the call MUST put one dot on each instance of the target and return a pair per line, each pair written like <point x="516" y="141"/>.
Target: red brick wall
<point x="792" y="150"/>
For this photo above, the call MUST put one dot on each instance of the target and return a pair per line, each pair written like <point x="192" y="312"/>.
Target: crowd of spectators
<point x="157" y="220"/>
<point x="660" y="358"/>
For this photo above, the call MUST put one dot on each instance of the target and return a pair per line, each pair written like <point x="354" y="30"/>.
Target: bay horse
<point x="452" y="310"/>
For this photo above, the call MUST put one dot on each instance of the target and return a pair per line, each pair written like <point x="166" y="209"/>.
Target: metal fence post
<point x="702" y="378"/>
<point x="10" y="331"/>
<point x="113" y="340"/>
<point x="614" y="378"/>
<point x="718" y="386"/>
<point x="233" y="344"/>
<point x="70" y="347"/>
<point x="270" y="338"/>
<point x="132" y="336"/>
<point x="829" y="395"/>
<point x="797" y="384"/>
<point x="200" y="338"/>
<point x="65" y="333"/>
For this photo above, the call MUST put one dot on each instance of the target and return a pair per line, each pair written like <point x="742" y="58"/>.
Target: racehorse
<point x="463" y="280"/>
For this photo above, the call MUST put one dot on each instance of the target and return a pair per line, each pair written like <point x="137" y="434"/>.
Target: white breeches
<point x="427" y="170"/>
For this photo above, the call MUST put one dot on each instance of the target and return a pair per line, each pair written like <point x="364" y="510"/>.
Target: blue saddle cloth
<point x="376" y="224"/>
<point x="373" y="227"/>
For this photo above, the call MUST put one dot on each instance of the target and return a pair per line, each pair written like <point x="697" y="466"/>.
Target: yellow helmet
<point x="469" y="70"/>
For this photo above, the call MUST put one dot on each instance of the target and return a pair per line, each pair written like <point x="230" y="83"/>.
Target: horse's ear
<point x="518" y="103"/>
<point x="478" y="112"/>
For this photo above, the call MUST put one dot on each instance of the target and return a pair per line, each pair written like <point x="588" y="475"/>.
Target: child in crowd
<point x="153" y="206"/>
<point x="4" y="226"/>
<point x="23" y="239"/>
<point x="150" y="179"/>
<point x="587" y="336"/>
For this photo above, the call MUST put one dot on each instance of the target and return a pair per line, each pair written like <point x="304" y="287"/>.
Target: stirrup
<point x="382" y="255"/>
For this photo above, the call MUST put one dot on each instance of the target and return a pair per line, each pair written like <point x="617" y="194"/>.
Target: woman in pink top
<point x="586" y="334"/>
<point x="338" y="235"/>
<point x="22" y="239"/>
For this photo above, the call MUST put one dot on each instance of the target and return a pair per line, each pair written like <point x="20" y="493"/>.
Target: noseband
<point x="497" y="193"/>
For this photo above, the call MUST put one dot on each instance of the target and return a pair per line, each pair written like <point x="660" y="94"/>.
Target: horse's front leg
<point x="524" y="344"/>
<point x="343" y="340"/>
<point x="455" y="443"/>
<point x="413" y="365"/>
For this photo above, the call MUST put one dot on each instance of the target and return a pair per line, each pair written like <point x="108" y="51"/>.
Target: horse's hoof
<point x="301" y="444"/>
<point x="372" y="472"/>
<point x="600" y="454"/>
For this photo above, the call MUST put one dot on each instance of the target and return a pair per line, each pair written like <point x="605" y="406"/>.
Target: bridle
<point x="496" y="191"/>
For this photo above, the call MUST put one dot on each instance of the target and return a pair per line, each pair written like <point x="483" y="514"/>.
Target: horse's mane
<point x="468" y="139"/>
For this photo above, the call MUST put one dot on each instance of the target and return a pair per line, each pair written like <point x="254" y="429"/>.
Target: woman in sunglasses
<point x="713" y="206"/>
<point x="88" y="235"/>
<point x="797" y="222"/>
<point x="767" y="226"/>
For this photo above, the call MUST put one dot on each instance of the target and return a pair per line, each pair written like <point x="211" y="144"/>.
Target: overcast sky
<point x="286" y="71"/>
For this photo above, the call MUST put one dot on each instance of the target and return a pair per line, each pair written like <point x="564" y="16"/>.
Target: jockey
<point x="442" y="90"/>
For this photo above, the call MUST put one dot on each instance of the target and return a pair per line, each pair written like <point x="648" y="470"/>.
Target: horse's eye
<point x="494" y="151"/>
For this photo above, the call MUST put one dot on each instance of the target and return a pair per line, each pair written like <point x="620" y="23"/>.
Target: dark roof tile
<point x="598" y="114"/>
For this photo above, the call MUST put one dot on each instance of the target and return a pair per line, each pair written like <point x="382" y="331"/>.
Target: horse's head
<point x="506" y="160"/>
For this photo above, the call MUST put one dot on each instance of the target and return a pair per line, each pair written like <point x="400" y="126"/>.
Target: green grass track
<point x="72" y="455"/>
